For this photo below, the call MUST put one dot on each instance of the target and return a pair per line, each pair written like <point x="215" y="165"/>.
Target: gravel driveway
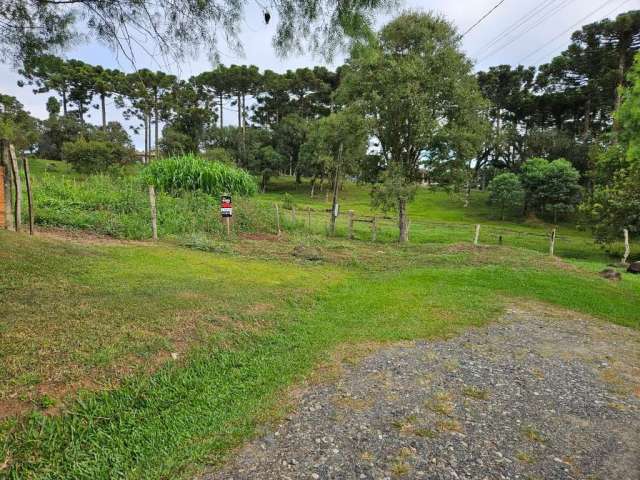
<point x="542" y="395"/>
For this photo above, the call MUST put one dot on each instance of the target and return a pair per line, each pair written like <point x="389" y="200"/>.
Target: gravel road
<point x="538" y="395"/>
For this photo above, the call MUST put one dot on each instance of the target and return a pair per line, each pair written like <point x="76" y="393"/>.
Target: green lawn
<point x="246" y="324"/>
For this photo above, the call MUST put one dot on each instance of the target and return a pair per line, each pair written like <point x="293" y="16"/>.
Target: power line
<point x="517" y="24"/>
<point x="482" y="18"/>
<point x="604" y="4"/>
<point x="540" y="21"/>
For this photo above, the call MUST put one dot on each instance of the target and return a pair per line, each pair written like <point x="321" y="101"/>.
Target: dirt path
<point x="535" y="396"/>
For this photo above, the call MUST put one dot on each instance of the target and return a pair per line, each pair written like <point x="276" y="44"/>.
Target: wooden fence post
<point x="277" y="218"/>
<point x="627" y="247"/>
<point x="309" y="216"/>
<point x="6" y="185"/>
<point x="552" y="245"/>
<point x="154" y="212"/>
<point x="350" y="224"/>
<point x="373" y="229"/>
<point x="17" y="184"/>
<point x="27" y="179"/>
<point x="477" y="236"/>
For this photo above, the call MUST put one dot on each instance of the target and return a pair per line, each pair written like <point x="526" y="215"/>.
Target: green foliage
<point x="505" y="191"/>
<point x="628" y="115"/>
<point x="193" y="173"/>
<point x="287" y="201"/>
<point x="17" y="125"/>
<point x="119" y="206"/>
<point x="218" y="155"/>
<point x="406" y="82"/>
<point x="615" y="206"/>
<point x="92" y="156"/>
<point x="551" y="186"/>
<point x="266" y="163"/>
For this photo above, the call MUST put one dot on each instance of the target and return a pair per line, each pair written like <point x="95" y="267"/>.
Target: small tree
<point x="560" y="192"/>
<point x="505" y="191"/>
<point x="266" y="162"/>
<point x="533" y="177"/>
<point x="417" y="87"/>
<point x="551" y="186"/>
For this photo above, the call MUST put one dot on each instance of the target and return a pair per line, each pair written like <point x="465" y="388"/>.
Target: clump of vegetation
<point x="91" y="156"/>
<point x="191" y="172"/>
<point x="118" y="206"/>
<point x="505" y="191"/>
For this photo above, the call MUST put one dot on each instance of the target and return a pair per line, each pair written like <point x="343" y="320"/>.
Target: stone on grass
<point x="610" y="274"/>
<point x="307" y="253"/>
<point x="634" y="268"/>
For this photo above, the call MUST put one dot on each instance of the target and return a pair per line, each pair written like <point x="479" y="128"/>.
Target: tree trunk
<point x="221" y="110"/>
<point x="104" y="111"/>
<point x="64" y="102"/>
<point x="156" y="122"/>
<point x="467" y="194"/>
<point x="334" y="203"/>
<point x="81" y="112"/>
<point x="621" y="60"/>
<point x="244" y="130"/>
<point x="402" y="220"/>
<point x="587" y="118"/>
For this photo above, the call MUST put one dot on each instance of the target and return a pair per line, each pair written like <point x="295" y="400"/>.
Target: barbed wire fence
<point x="384" y="228"/>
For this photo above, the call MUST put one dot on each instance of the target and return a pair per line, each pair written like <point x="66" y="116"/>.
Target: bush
<point x="506" y="191"/>
<point x="193" y="173"/>
<point x="93" y="156"/>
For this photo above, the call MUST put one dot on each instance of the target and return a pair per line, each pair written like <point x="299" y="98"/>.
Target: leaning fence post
<point x="373" y="229"/>
<point x="627" y="247"/>
<point x="553" y="242"/>
<point x="27" y="178"/>
<point x="477" y="236"/>
<point x="277" y="218"/>
<point x="350" y="224"/>
<point x="17" y="185"/>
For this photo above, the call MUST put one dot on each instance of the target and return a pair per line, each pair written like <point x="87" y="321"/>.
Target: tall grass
<point x="191" y="173"/>
<point x="119" y="206"/>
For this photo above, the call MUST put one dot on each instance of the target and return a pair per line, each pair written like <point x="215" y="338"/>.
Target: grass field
<point x="127" y="359"/>
<point x="104" y="318"/>
<point x="117" y="206"/>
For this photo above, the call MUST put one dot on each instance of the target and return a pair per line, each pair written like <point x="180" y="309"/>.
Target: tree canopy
<point x="178" y="28"/>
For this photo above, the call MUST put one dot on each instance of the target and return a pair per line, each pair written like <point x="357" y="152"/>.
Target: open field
<point x="117" y="206"/>
<point x="104" y="318"/>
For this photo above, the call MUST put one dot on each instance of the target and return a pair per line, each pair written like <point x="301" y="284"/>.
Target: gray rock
<point x="610" y="274"/>
<point x="307" y="253"/>
<point x="634" y="268"/>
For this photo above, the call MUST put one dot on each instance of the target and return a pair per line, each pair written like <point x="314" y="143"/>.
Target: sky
<point x="528" y="32"/>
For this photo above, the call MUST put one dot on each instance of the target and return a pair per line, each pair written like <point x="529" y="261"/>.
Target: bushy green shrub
<point x="194" y="173"/>
<point x="92" y="156"/>
<point x="506" y="192"/>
